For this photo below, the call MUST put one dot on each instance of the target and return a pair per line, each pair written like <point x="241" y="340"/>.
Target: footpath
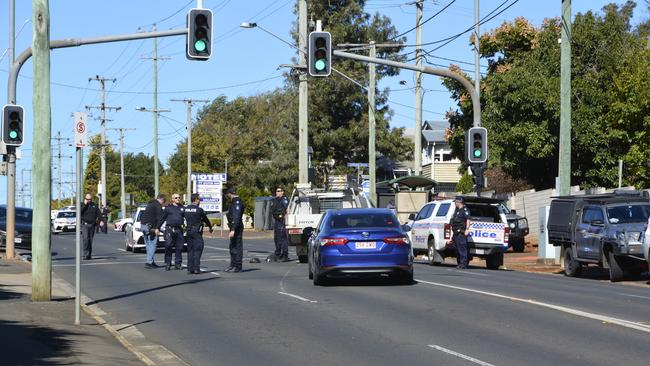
<point x="38" y="333"/>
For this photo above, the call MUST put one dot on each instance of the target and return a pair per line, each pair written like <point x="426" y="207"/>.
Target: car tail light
<point x="400" y="240"/>
<point x="333" y="241"/>
<point x="506" y="234"/>
<point x="447" y="231"/>
<point x="295" y="231"/>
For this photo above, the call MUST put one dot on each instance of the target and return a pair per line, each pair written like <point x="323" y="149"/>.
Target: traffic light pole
<point x="41" y="254"/>
<point x="303" y="96"/>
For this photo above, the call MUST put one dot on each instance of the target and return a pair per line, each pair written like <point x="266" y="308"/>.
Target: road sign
<point x="80" y="128"/>
<point x="358" y="165"/>
<point x="209" y="186"/>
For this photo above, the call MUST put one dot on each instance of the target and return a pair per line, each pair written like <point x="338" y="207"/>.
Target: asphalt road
<point x="272" y="314"/>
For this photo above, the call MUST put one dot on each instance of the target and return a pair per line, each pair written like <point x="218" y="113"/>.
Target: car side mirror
<point x="597" y="223"/>
<point x="412" y="217"/>
<point x="514" y="212"/>
<point x="406" y="228"/>
<point x="308" y="231"/>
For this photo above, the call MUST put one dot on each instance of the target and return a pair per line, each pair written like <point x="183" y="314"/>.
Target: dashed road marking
<point x="460" y="355"/>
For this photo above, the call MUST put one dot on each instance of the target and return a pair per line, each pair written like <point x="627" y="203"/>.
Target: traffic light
<point x="12" y="125"/>
<point x="199" y="34"/>
<point x="319" y="53"/>
<point x="476" y="145"/>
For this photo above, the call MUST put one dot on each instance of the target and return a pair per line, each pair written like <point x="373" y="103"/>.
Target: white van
<point x="488" y="231"/>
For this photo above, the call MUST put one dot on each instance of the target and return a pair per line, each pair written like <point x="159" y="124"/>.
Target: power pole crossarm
<point x="189" y="103"/>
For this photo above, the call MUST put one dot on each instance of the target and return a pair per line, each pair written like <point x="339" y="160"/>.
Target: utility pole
<point x="102" y="107"/>
<point x="564" y="156"/>
<point x="41" y="245"/>
<point x="122" y="190"/>
<point x="11" y="153"/>
<point x="417" y="156"/>
<point x="59" y="139"/>
<point x="189" y="103"/>
<point x="155" y="59"/>
<point x="372" y="160"/>
<point x="155" y="112"/>
<point x="477" y="56"/>
<point x="303" y="96"/>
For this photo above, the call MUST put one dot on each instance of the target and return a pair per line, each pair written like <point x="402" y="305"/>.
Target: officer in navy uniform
<point x="279" y="208"/>
<point x="174" y="216"/>
<point x="90" y="215"/>
<point x="460" y="226"/>
<point x="195" y="218"/>
<point x="236" y="225"/>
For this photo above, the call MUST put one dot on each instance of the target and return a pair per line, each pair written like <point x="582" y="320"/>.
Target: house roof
<point x="433" y="136"/>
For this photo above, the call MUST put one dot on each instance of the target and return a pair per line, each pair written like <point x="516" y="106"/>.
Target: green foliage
<point x="520" y="98"/>
<point x="465" y="184"/>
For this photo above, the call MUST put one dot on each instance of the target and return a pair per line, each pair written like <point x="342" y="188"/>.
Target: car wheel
<point x="302" y="259"/>
<point x="318" y="279"/>
<point x="616" y="273"/>
<point x="572" y="267"/>
<point x="494" y="261"/>
<point x="435" y="259"/>
<point x="407" y="279"/>
<point x="518" y="246"/>
<point x="311" y="274"/>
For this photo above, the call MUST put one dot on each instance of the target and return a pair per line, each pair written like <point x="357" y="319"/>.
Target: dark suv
<point x="23" y="227"/>
<point x="604" y="230"/>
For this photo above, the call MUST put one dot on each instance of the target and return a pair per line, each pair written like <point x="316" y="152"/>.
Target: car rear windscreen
<point x="66" y="214"/>
<point x="349" y="221"/>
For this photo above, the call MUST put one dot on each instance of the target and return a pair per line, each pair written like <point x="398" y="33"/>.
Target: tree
<point x="520" y="99"/>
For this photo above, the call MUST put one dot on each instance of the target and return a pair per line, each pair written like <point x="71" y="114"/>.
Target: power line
<point x="425" y="21"/>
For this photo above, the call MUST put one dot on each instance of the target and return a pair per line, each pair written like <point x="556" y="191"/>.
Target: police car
<point x="488" y="231"/>
<point x="134" y="238"/>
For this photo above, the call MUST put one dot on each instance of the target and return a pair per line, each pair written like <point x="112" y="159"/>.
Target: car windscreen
<point x="628" y="213"/>
<point x="66" y="215"/>
<point x="350" y="221"/>
<point x="22" y="215"/>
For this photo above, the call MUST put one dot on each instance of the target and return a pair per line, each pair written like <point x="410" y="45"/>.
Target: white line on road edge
<point x="284" y="292"/>
<point x="460" y="355"/>
<point x="468" y="272"/>
<point x="637" y="296"/>
<point x="603" y="318"/>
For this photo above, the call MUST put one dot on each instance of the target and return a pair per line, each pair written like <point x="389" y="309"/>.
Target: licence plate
<point x="18" y="240"/>
<point x="365" y="245"/>
<point x="479" y="251"/>
<point x="71" y="226"/>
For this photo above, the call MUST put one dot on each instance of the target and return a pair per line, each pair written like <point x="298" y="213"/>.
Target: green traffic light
<point x="200" y="45"/>
<point x="319" y="65"/>
<point x="13" y="135"/>
<point x="477" y="153"/>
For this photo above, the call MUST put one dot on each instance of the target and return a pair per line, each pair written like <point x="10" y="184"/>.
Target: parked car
<point x="646" y="242"/>
<point x="121" y="224"/>
<point x="604" y="230"/>
<point x="359" y="241"/>
<point x="134" y="239"/>
<point x="518" y="228"/>
<point x="489" y="231"/>
<point x="23" y="227"/>
<point x="65" y="221"/>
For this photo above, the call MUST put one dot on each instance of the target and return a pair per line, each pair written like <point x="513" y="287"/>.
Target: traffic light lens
<point x="320" y="42"/>
<point x="13" y="134"/>
<point x="14" y="115"/>
<point x="319" y="65"/>
<point x="200" y="45"/>
<point x="477" y="153"/>
<point x="201" y="20"/>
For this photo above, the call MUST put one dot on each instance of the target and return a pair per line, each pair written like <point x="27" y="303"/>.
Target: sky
<point x="244" y="62"/>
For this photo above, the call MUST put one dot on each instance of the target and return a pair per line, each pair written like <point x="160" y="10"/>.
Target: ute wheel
<point x="616" y="273"/>
<point x="127" y="247"/>
<point x="518" y="246"/>
<point x="302" y="259"/>
<point x="494" y="261"/>
<point x="435" y="259"/>
<point x="572" y="267"/>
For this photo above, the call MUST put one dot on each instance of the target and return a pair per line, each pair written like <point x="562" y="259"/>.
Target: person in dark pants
<point x="279" y="208"/>
<point x="90" y="215"/>
<point x="236" y="225"/>
<point x="195" y="218"/>
<point x="460" y="226"/>
<point x="174" y="216"/>
<point x="149" y="227"/>
<point x="104" y="219"/>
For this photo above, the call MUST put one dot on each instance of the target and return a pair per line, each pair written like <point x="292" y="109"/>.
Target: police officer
<point x="279" y="207"/>
<point x="195" y="218"/>
<point x="173" y="215"/>
<point x="236" y="225"/>
<point x="90" y="215"/>
<point x="460" y="226"/>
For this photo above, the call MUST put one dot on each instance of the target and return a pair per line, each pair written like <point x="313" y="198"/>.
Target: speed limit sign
<point x="80" y="129"/>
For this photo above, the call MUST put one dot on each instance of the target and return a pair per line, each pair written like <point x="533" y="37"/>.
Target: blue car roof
<point x="362" y="211"/>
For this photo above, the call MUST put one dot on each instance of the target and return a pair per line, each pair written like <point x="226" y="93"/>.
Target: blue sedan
<point x="366" y="241"/>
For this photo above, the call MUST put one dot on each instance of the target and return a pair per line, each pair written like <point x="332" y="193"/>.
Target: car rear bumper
<point x="350" y="270"/>
<point x="63" y="228"/>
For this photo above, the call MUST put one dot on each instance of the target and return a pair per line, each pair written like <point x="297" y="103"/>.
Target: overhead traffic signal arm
<point x="319" y="54"/>
<point x="12" y="124"/>
<point x="199" y="34"/>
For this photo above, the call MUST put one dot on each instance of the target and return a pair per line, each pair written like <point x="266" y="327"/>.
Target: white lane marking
<point x="297" y="297"/>
<point x="284" y="292"/>
<point x="121" y="250"/>
<point x="215" y="248"/>
<point x="468" y="272"/>
<point x="637" y="296"/>
<point x="460" y="355"/>
<point x="125" y="262"/>
<point x="603" y="318"/>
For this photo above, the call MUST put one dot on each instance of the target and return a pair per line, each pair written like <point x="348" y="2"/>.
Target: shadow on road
<point x="362" y="281"/>
<point x="10" y="295"/>
<point x="135" y="293"/>
<point x="38" y="345"/>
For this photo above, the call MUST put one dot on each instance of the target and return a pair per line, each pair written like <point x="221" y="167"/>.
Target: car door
<point x="582" y="235"/>
<point x="596" y="230"/>
<point x="439" y="221"/>
<point x="421" y="226"/>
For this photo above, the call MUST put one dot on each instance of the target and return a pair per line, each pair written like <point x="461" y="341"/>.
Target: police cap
<point x="230" y="190"/>
<point x="460" y="199"/>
